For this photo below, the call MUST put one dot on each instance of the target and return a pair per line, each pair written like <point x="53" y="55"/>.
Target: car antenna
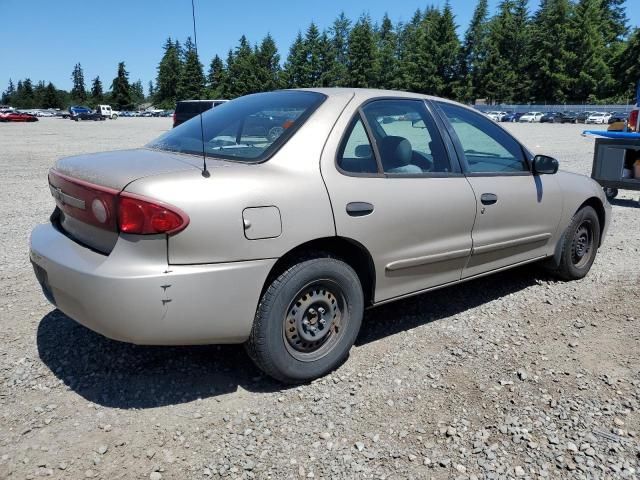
<point x="205" y="172"/>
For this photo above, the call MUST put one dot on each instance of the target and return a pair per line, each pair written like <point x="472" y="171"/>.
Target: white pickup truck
<point x="106" y="112"/>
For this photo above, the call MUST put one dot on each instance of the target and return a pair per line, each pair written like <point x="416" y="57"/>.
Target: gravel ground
<point x="512" y="376"/>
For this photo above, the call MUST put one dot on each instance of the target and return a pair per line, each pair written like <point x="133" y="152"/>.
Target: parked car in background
<point x="187" y="109"/>
<point x="80" y="112"/>
<point x="582" y="116"/>
<point x="618" y="117"/>
<point x="496" y="116"/>
<point x="531" y="117"/>
<point x="12" y="116"/>
<point x="512" y="116"/>
<point x="568" y="117"/>
<point x="290" y="237"/>
<point x="598" y="118"/>
<point x="550" y="117"/>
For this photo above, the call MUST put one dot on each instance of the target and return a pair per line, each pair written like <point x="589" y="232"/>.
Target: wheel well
<point x="596" y="204"/>
<point x="347" y="250"/>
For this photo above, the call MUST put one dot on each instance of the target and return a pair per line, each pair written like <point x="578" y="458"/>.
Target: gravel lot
<point x="515" y="375"/>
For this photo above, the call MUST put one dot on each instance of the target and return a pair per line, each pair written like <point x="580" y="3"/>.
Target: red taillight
<point x="633" y="121"/>
<point x="112" y="210"/>
<point x="144" y="217"/>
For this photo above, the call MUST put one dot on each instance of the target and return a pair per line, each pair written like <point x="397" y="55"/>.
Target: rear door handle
<point x="359" y="209"/>
<point x="488" y="198"/>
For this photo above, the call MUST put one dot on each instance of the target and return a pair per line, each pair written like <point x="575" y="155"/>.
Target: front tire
<point x="307" y="320"/>
<point x="579" y="245"/>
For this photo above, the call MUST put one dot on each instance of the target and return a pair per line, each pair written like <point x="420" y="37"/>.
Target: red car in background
<point x="17" y="117"/>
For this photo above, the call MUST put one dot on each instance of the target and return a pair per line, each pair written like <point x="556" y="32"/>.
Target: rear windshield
<point x="246" y="129"/>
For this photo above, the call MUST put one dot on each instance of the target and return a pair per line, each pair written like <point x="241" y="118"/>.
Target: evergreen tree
<point x="314" y="55"/>
<point x="339" y="38"/>
<point x="78" y="92"/>
<point x="8" y="94"/>
<point x="430" y="79"/>
<point x="589" y="70"/>
<point x="448" y="48"/>
<point x="242" y="78"/>
<point x="121" y="90"/>
<point x="507" y="63"/>
<point x="551" y="51"/>
<point x="268" y="61"/>
<point x="411" y="58"/>
<point x="361" y="55"/>
<point x="295" y="69"/>
<point x="627" y="66"/>
<point x="38" y="94"/>
<point x="137" y="92"/>
<point x="473" y="55"/>
<point x="51" y="99"/>
<point x="169" y="71"/>
<point x="216" y="78"/>
<point x="151" y="90"/>
<point x="97" y="94"/>
<point x="329" y="73"/>
<point x="191" y="80"/>
<point x="387" y="50"/>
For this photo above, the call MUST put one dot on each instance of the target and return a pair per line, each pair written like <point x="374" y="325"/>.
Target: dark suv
<point x="187" y="109"/>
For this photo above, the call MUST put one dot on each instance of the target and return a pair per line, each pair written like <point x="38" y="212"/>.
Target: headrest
<point x="395" y="152"/>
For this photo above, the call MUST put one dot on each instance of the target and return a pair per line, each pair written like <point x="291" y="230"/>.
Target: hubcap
<point x="582" y="244"/>
<point x="313" y="321"/>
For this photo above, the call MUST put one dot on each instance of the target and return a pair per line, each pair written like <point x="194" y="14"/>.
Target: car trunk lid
<point x="86" y="189"/>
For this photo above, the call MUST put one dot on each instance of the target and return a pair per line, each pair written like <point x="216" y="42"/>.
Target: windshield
<point x="246" y="129"/>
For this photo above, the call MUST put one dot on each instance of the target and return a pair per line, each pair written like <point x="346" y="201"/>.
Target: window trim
<point x="526" y="155"/>
<point x="457" y="170"/>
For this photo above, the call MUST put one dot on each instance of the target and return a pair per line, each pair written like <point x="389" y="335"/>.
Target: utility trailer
<point x="616" y="157"/>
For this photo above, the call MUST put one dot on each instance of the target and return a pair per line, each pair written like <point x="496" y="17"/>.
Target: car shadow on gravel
<point x="122" y="375"/>
<point x="439" y="304"/>
<point x="625" y="202"/>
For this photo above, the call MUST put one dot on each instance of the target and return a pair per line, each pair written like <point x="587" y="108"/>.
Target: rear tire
<point x="580" y="244"/>
<point x="307" y="320"/>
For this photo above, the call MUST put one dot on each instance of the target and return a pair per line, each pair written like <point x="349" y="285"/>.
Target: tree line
<point x="122" y="94"/>
<point x="565" y="51"/>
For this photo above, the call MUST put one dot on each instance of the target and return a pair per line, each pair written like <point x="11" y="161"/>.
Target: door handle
<point x="488" y="198"/>
<point x="359" y="209"/>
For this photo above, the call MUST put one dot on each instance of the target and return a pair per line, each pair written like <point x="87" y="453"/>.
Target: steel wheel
<point x="314" y="320"/>
<point x="274" y="133"/>
<point x="582" y="245"/>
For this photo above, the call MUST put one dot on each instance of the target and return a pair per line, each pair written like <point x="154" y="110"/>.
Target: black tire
<point x="580" y="244"/>
<point x="307" y="320"/>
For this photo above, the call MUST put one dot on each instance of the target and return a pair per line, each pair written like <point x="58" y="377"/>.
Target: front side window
<point x="247" y="129"/>
<point x="406" y="137"/>
<point x="487" y="148"/>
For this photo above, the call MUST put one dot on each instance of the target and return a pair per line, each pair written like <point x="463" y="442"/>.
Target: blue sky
<point x="44" y="39"/>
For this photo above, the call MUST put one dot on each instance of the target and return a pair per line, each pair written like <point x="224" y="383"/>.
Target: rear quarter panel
<point x="290" y="181"/>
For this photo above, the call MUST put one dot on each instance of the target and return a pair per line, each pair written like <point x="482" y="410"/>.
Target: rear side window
<point x="247" y="129"/>
<point x="407" y="138"/>
<point x="356" y="154"/>
<point x="487" y="148"/>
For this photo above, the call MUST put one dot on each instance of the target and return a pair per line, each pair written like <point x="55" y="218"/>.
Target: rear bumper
<point x="133" y="295"/>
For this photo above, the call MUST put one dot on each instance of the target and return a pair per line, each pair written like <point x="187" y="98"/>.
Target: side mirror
<point x="544" y="165"/>
<point x="418" y="124"/>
